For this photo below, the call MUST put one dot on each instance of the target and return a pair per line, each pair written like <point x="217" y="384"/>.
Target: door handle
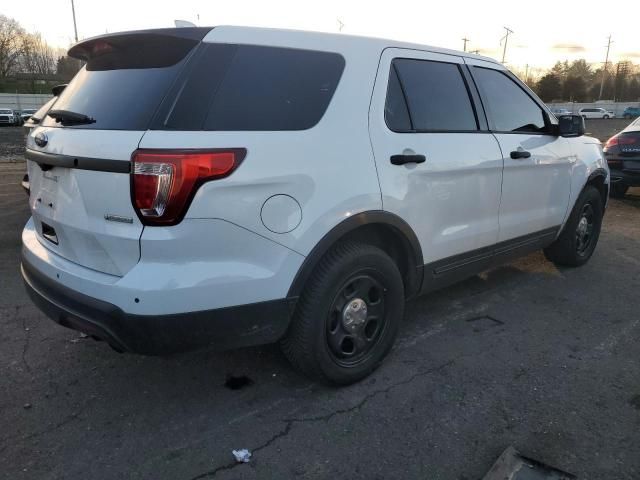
<point x="517" y="154"/>
<point x="403" y="159"/>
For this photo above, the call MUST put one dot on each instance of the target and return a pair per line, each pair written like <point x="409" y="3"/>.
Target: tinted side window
<point x="437" y="96"/>
<point x="246" y="87"/>
<point x="509" y="107"/>
<point x="395" y="109"/>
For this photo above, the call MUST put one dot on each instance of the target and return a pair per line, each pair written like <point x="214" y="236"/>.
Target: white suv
<point x="236" y="186"/>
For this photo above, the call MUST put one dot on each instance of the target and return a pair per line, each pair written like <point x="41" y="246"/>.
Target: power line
<point x="604" y="70"/>
<point x="506" y="39"/>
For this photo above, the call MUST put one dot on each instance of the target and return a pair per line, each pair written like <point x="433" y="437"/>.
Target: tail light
<point x="163" y="182"/>
<point x="620" y="140"/>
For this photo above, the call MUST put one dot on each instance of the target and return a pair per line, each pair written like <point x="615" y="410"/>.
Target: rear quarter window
<point x="257" y="88"/>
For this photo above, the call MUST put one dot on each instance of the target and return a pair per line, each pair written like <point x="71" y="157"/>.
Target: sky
<point x="544" y="31"/>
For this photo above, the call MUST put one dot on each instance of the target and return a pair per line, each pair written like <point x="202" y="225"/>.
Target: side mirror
<point x="58" y="89"/>
<point x="570" y="126"/>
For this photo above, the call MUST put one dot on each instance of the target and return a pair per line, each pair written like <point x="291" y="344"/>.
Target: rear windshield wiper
<point x="66" y="117"/>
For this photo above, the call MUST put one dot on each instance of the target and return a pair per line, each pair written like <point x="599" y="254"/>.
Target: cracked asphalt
<point x="527" y="354"/>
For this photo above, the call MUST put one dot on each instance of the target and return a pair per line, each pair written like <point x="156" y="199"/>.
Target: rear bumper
<point x="223" y="328"/>
<point x="630" y="178"/>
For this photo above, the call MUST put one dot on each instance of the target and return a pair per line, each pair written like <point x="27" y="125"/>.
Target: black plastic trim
<point x="450" y="270"/>
<point x="371" y="217"/>
<point x="50" y="160"/>
<point x="221" y="329"/>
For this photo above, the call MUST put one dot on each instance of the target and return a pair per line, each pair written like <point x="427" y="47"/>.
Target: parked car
<point x="8" y="117"/>
<point x="325" y="180"/>
<point x="561" y="111"/>
<point x="631" y="112"/>
<point x="622" y="152"/>
<point x="596" y="113"/>
<point x="26" y="114"/>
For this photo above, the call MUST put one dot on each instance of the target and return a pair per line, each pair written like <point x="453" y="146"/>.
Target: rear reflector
<point x="165" y="181"/>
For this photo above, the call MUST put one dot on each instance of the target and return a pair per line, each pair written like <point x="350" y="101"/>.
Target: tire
<point x="618" y="190"/>
<point x="606" y="117"/>
<point x="578" y="239"/>
<point x="330" y="339"/>
<point x="627" y="117"/>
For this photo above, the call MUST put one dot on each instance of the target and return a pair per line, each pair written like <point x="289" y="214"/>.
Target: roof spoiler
<point x="94" y="46"/>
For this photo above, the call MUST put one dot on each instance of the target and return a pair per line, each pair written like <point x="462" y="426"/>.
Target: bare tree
<point x="37" y="57"/>
<point x="11" y="34"/>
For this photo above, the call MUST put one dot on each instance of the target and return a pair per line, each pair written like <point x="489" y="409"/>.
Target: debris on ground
<point x="236" y="383"/>
<point x="242" y="456"/>
<point x="513" y="465"/>
<point x="26" y="406"/>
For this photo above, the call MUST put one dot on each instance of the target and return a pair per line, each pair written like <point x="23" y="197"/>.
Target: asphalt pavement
<point x="529" y="355"/>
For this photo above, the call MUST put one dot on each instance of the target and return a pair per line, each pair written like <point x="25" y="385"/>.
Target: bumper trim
<point x="221" y="329"/>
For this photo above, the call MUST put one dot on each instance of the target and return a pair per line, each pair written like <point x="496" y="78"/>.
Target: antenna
<point x="506" y="39"/>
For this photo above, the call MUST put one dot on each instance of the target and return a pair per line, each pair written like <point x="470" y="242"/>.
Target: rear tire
<point x="579" y="237"/>
<point x="618" y="190"/>
<point x="606" y="117"/>
<point x="348" y="315"/>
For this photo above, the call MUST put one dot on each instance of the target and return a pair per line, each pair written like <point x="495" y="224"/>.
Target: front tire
<point x="348" y="315"/>
<point x="579" y="237"/>
<point x="606" y="117"/>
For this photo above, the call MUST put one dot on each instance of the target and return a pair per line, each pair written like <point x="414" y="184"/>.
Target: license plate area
<point x="49" y="233"/>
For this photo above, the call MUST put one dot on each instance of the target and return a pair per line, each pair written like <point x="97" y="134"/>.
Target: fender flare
<point x="371" y="217"/>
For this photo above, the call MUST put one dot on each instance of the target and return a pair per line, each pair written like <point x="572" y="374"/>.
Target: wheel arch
<point x="377" y="227"/>
<point x="597" y="179"/>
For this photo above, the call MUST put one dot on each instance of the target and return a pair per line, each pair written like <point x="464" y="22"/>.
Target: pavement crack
<point x="291" y="422"/>
<point x="25" y="345"/>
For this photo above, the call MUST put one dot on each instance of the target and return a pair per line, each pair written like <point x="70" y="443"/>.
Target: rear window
<point x="167" y="84"/>
<point x="123" y="83"/>
<point x="248" y="87"/>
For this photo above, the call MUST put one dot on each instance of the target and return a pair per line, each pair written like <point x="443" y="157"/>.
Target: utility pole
<point x="75" y="28"/>
<point x="506" y="39"/>
<point x="604" y="70"/>
<point x="465" y="40"/>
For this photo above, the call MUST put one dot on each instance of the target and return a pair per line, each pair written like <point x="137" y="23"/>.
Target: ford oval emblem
<point x="41" y="139"/>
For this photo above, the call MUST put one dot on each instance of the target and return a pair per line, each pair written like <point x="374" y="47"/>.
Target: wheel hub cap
<point x="354" y="314"/>
<point x="582" y="226"/>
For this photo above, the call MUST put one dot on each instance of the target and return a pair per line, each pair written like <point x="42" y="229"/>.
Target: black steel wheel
<point x="348" y="315"/>
<point x="579" y="237"/>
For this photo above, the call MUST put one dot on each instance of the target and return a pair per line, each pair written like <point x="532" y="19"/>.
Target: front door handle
<point x="403" y="159"/>
<point x="517" y="154"/>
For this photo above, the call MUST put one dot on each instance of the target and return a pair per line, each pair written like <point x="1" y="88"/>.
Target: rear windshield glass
<point x="122" y="86"/>
<point x="142" y="85"/>
<point x="246" y="87"/>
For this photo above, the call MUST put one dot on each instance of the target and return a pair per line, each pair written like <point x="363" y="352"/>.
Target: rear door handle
<point x="403" y="159"/>
<point x="517" y="154"/>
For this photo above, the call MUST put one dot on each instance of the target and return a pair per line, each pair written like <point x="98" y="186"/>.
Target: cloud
<point x="568" y="47"/>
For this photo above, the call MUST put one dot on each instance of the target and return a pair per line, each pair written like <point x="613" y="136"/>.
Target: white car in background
<point x="274" y="185"/>
<point x="9" y="117"/>
<point x="588" y="113"/>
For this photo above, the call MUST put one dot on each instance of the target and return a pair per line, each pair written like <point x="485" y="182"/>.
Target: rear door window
<point x="248" y="87"/>
<point x="436" y="95"/>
